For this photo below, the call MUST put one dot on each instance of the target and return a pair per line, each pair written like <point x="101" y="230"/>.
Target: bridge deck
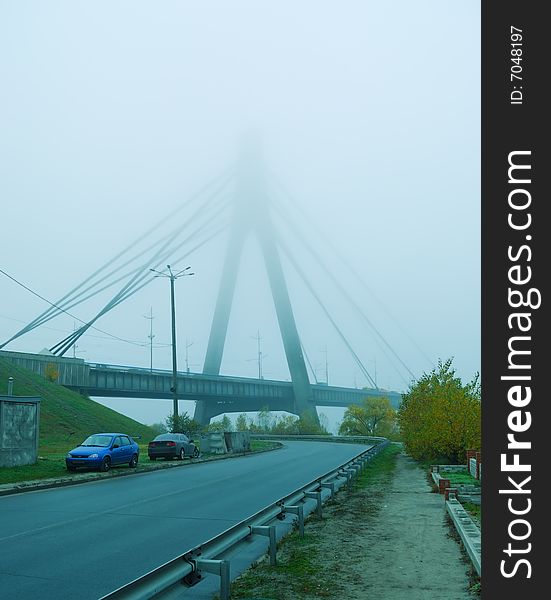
<point x="222" y="393"/>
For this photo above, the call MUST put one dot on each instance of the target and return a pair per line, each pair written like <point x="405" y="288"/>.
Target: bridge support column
<point x="202" y="414"/>
<point x="252" y="214"/>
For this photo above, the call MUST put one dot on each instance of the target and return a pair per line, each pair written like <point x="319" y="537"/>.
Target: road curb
<point x="45" y="484"/>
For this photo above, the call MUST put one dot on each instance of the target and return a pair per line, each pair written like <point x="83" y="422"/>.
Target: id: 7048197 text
<point x="516" y="65"/>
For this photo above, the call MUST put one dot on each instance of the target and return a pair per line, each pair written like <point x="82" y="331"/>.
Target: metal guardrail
<point x="349" y="439"/>
<point x="186" y="569"/>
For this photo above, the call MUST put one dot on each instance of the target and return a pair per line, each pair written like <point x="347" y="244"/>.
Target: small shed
<point x="19" y="430"/>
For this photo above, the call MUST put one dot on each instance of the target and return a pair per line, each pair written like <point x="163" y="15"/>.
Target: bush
<point x="439" y="416"/>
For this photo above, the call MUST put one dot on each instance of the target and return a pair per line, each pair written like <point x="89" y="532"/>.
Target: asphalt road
<point x="83" y="541"/>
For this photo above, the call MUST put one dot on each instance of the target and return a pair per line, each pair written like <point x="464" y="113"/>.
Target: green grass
<point x="380" y="468"/>
<point x="474" y="509"/>
<point x="460" y="478"/>
<point x="51" y="465"/>
<point x="299" y="568"/>
<point x="258" y="445"/>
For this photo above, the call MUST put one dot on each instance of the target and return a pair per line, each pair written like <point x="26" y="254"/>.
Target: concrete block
<point x="238" y="441"/>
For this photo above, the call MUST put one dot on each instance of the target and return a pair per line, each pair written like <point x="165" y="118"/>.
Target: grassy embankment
<point x="66" y="418"/>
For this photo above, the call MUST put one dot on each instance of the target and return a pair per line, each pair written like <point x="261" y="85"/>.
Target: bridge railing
<point x="186" y="568"/>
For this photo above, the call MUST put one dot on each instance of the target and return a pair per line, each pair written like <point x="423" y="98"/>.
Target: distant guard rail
<point x="186" y="569"/>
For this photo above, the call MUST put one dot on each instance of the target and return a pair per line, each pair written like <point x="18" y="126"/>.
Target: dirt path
<point x="386" y="541"/>
<point x="412" y="554"/>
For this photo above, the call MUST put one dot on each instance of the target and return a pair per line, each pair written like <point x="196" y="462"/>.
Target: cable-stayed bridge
<point x="221" y="394"/>
<point x="242" y="201"/>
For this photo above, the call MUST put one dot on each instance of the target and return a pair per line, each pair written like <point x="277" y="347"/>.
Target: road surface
<point x="83" y="541"/>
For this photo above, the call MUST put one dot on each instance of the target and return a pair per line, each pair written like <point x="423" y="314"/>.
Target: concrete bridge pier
<point x="202" y="414"/>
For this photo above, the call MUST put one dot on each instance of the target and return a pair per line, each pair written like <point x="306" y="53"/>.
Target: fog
<point x="114" y="114"/>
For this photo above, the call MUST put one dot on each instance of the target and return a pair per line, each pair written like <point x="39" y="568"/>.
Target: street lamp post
<point x="173" y="276"/>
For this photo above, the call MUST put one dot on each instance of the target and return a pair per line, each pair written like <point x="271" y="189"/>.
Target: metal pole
<point x="174" y="367"/>
<point x="173" y="276"/>
<point x="259" y="356"/>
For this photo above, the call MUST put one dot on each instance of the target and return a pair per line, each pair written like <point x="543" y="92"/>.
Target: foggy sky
<point x="112" y="114"/>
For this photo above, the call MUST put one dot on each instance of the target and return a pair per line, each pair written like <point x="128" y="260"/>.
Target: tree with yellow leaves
<point x="439" y="416"/>
<point x="51" y="372"/>
<point x="375" y="416"/>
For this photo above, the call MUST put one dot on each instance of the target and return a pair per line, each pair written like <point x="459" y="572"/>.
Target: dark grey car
<point x="172" y="445"/>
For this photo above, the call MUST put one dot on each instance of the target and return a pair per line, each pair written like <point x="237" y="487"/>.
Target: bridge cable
<point x="38" y="321"/>
<point x="347" y="296"/>
<point x="308" y="362"/>
<point x="327" y="314"/>
<point x="293" y="202"/>
<point x="68" y="313"/>
<point x="125" y="292"/>
<point x="398" y="372"/>
<point x="146" y="265"/>
<point x="61" y="347"/>
<point x="106" y="336"/>
<point x="65" y="308"/>
<point x="56" y="307"/>
<point x="128" y="273"/>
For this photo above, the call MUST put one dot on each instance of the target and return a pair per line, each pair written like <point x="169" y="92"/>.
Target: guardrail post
<point x="299" y="511"/>
<point x="343" y="473"/>
<point x="348" y="475"/>
<point x="220" y="568"/>
<point x="317" y="497"/>
<point x="270" y="531"/>
<point x="331" y="487"/>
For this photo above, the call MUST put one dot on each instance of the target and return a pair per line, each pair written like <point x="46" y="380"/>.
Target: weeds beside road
<point x="313" y="566"/>
<point x="386" y="539"/>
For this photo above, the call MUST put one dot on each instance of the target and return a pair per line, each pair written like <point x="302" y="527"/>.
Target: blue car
<point x="102" y="451"/>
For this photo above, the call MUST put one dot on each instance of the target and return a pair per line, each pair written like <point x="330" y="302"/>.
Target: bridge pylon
<point x="252" y="215"/>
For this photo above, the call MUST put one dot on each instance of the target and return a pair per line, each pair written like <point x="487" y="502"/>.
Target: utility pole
<point x="326" y="367"/>
<point x="259" y="354"/>
<point x="75" y="344"/>
<point x="375" y="370"/>
<point x="173" y="276"/>
<point x="187" y="356"/>
<point x="150" y="336"/>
